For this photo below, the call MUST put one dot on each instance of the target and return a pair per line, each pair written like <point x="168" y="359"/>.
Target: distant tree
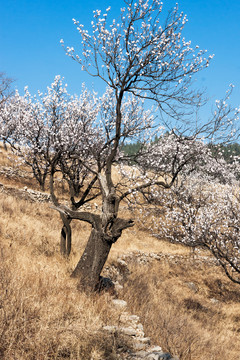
<point x="228" y="151"/>
<point x="48" y="128"/>
<point x="5" y="88"/>
<point x="52" y="134"/>
<point x="131" y="149"/>
<point x="5" y="93"/>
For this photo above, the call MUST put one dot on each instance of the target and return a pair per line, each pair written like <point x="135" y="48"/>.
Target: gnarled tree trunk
<point x="99" y="244"/>
<point x="90" y="265"/>
<point x="95" y="255"/>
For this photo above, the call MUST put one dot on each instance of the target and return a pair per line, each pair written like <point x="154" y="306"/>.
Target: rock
<point x="130" y="324"/>
<point x="124" y="317"/>
<point x="128" y="331"/>
<point x="118" y="287"/>
<point x="141" y="354"/>
<point x="144" y="340"/>
<point x="140" y="327"/>
<point x="214" y="301"/>
<point x="153" y="356"/>
<point x="139" y="332"/>
<point x="155" y="349"/>
<point x="122" y="262"/>
<point x="165" y="356"/>
<point x="134" y="318"/>
<point x="106" y="284"/>
<point x="139" y="346"/>
<point x="159" y="356"/>
<point x="119" y="303"/>
<point x="122" y="269"/>
<point x="155" y="256"/>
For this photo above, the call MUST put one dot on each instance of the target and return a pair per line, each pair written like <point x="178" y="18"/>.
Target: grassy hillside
<point x="184" y="300"/>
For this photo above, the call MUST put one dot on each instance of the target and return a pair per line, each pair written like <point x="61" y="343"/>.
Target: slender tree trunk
<point x="66" y="232"/>
<point x="5" y="145"/>
<point x="90" y="265"/>
<point x="66" y="237"/>
<point x="42" y="186"/>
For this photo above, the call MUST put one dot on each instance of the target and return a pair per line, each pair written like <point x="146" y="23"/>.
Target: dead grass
<point x="42" y="315"/>
<point x="184" y="312"/>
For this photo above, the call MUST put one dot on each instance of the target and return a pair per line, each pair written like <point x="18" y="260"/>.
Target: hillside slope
<point x="183" y="299"/>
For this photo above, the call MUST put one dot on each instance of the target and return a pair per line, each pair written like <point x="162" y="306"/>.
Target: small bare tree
<point x="5" y="88"/>
<point x="5" y="93"/>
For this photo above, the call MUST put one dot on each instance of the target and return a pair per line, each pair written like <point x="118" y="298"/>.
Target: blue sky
<point x="30" y="33"/>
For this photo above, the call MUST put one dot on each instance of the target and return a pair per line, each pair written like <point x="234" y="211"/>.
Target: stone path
<point x="130" y="326"/>
<point x="25" y="193"/>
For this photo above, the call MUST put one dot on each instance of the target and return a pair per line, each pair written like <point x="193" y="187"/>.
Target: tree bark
<point x="90" y="265"/>
<point x="95" y="255"/>
<point x="66" y="237"/>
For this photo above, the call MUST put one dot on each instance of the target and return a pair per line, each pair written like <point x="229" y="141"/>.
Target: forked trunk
<point x="95" y="255"/>
<point x="90" y="265"/>
<point x="106" y="230"/>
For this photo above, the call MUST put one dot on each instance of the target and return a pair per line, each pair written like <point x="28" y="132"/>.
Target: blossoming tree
<point x="148" y="58"/>
<point x="53" y="133"/>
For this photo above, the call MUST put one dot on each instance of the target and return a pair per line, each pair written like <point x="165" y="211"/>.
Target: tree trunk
<point x="90" y="265"/>
<point x="66" y="236"/>
<point x="66" y="239"/>
<point x="103" y="235"/>
<point x="41" y="185"/>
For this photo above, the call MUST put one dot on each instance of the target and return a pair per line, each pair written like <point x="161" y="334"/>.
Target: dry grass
<point x="192" y="311"/>
<point x="4" y="156"/>
<point x="43" y="316"/>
